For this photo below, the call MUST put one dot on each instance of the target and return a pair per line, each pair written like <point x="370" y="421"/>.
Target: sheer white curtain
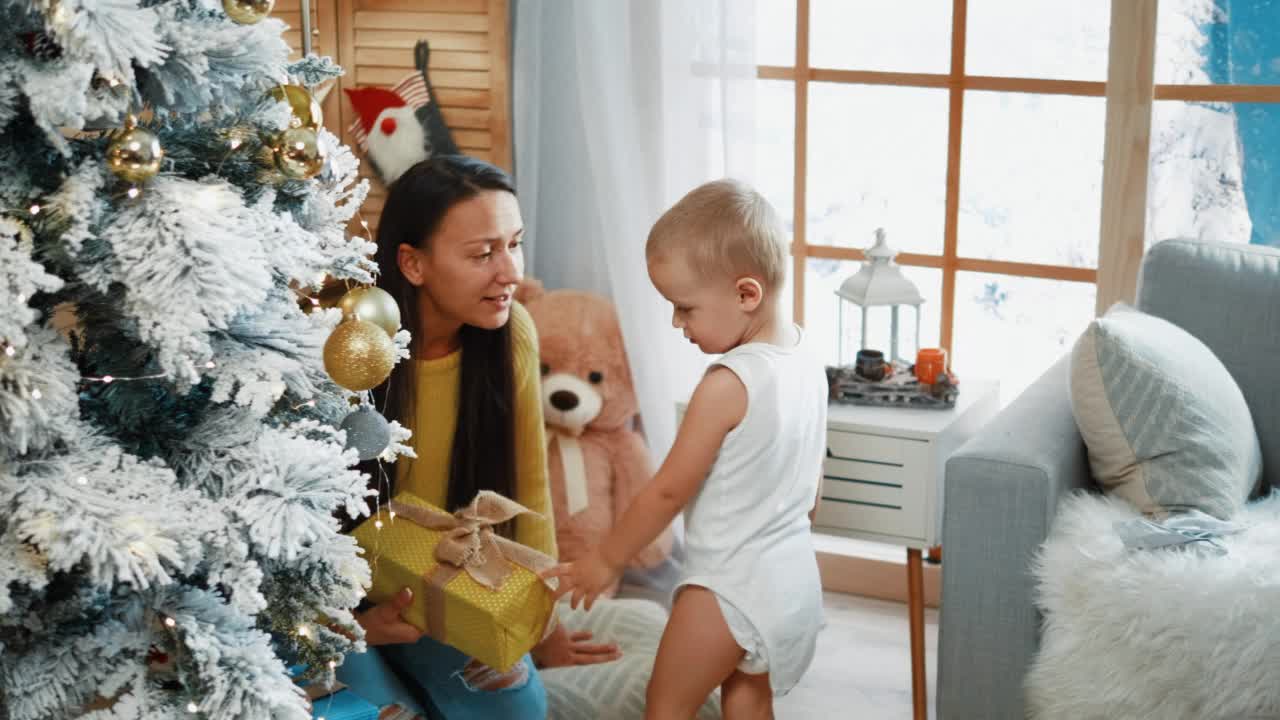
<point x="620" y="107"/>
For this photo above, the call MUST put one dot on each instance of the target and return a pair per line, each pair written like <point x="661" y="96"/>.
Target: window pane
<point x="1031" y="178"/>
<point x="1220" y="42"/>
<point x="776" y="145"/>
<point x="1213" y="174"/>
<point x="1038" y="38"/>
<point x="877" y="158"/>
<point x="776" y="32"/>
<point x="896" y="36"/>
<point x="822" y="313"/>
<point x="1013" y="328"/>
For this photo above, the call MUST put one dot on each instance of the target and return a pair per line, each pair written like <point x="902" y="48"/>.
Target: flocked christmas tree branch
<point x="171" y="463"/>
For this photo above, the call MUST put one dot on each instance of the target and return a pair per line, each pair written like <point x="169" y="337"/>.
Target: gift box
<point x="473" y="589"/>
<point x="335" y="702"/>
<point x="343" y="705"/>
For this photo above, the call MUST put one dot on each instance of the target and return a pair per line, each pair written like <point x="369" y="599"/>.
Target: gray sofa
<point x="1003" y="488"/>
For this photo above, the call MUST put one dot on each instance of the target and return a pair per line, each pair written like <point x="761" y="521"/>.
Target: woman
<point x="449" y="252"/>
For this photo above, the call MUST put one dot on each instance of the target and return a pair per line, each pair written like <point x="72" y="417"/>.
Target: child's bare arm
<point x="718" y="404"/>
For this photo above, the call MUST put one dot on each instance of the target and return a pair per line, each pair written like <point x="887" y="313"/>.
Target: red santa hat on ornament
<point x="371" y="102"/>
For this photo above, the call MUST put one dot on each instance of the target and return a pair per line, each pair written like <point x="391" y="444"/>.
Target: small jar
<point x="930" y="362"/>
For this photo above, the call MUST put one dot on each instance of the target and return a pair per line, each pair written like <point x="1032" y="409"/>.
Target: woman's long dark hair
<point x="483" y="454"/>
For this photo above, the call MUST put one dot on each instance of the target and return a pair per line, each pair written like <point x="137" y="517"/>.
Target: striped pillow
<point x="1166" y="426"/>
<point x="613" y="690"/>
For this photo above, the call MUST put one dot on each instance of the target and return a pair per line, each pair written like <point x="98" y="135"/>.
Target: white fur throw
<point x="1169" y="633"/>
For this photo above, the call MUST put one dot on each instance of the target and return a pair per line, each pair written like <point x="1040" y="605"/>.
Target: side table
<point x="882" y="481"/>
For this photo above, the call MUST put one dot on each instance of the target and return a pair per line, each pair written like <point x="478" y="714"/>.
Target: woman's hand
<point x="586" y="578"/>
<point x="383" y="625"/>
<point x="561" y="649"/>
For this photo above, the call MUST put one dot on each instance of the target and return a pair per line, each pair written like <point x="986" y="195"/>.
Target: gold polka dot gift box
<point x="473" y="589"/>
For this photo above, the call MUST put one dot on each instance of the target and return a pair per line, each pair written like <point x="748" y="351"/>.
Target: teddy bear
<point x="596" y="459"/>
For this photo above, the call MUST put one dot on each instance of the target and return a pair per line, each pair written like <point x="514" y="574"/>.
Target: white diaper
<point x="744" y="633"/>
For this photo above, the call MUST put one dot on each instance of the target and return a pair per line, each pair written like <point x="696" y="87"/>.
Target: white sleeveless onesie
<point x="747" y="529"/>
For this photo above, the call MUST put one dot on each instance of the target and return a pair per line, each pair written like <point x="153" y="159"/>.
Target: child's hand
<point x="586" y="578"/>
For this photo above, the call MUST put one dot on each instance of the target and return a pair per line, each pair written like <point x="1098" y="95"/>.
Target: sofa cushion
<point x="1228" y="296"/>
<point x="1166" y="426"/>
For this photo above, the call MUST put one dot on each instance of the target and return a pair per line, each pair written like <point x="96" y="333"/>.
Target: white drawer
<point x="906" y="522"/>
<point x="872" y="483"/>
<point x="895" y="475"/>
<point x="839" y="488"/>
<point x="862" y="447"/>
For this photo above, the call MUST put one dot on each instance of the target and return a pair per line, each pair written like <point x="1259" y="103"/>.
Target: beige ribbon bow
<point x="470" y="544"/>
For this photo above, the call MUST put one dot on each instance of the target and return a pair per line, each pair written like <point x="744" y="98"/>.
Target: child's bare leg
<point x="747" y="697"/>
<point x="697" y="654"/>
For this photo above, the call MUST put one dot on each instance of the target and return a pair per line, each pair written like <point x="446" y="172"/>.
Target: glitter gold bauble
<point x="248" y="12"/>
<point x="374" y="305"/>
<point x="134" y="155"/>
<point x="358" y="355"/>
<point x="298" y="154"/>
<point x="306" y="111"/>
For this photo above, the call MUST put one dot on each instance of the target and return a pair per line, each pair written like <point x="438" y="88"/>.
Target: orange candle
<point x="930" y="362"/>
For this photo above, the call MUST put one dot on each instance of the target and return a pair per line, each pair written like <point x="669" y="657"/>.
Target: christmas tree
<point x="172" y="443"/>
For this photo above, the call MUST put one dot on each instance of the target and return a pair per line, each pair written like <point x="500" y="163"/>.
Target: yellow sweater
<point x="437" y="414"/>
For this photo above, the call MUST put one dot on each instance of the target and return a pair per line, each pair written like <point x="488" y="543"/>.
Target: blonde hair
<point x="723" y="227"/>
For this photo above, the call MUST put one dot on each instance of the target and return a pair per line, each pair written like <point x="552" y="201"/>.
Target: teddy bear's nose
<point x="563" y="400"/>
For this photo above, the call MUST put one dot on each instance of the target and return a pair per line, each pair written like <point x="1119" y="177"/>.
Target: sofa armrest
<point x="1002" y="490"/>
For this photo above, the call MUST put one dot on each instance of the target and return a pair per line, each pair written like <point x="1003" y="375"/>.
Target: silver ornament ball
<point x="367" y="431"/>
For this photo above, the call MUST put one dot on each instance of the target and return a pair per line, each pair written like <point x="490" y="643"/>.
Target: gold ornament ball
<point x="134" y="155"/>
<point x="298" y="153"/>
<point x="374" y="305"/>
<point x="248" y="12"/>
<point x="358" y="355"/>
<point x="306" y="111"/>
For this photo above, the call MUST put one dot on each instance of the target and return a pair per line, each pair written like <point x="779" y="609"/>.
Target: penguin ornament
<point x="401" y="126"/>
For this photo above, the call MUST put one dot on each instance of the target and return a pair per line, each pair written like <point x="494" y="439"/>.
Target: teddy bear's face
<point x="586" y="381"/>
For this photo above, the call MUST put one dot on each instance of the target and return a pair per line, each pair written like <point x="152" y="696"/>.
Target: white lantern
<point x="880" y="283"/>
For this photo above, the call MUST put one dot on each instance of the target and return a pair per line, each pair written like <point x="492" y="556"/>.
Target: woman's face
<point x="470" y="267"/>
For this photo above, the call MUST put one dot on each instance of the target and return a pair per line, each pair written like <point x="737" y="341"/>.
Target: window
<point x="930" y="119"/>
<point x="1215" y="122"/>
<point x="974" y="132"/>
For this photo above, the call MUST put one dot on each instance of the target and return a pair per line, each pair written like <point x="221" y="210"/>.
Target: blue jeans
<point x="437" y="672"/>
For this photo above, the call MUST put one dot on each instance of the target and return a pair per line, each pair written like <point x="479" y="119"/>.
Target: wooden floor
<point x="863" y="666"/>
